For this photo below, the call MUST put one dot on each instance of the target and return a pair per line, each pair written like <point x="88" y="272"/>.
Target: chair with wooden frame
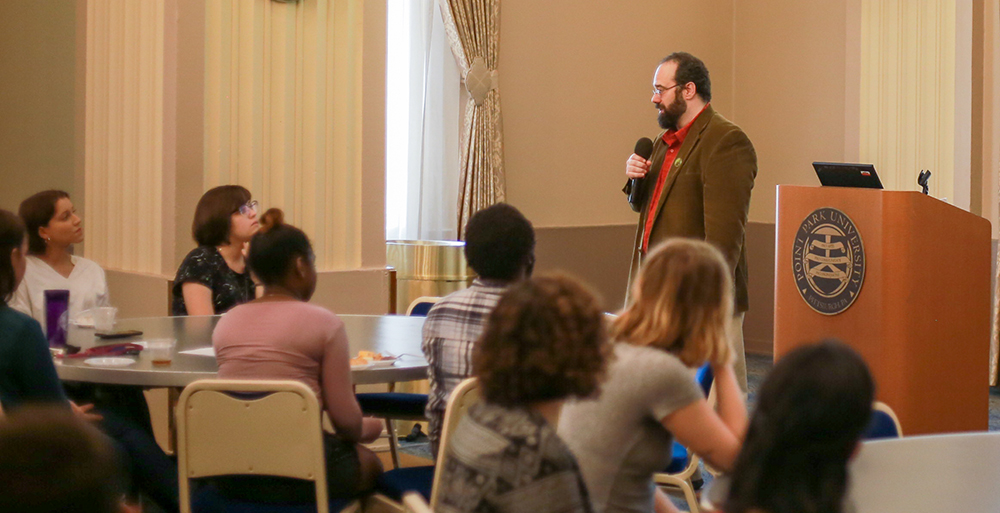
<point x="395" y="484"/>
<point x="251" y="427"/>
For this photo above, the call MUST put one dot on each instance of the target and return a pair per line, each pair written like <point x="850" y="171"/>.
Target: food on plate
<point x="359" y="361"/>
<point x="378" y="357"/>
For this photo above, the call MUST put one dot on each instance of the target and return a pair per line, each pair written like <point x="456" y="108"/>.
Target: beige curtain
<point x="473" y="29"/>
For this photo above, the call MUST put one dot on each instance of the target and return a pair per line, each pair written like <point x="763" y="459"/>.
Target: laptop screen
<point x="838" y="174"/>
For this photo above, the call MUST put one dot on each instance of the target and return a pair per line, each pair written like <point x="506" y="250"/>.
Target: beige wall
<point x="790" y="90"/>
<point x="575" y="82"/>
<point x="37" y="62"/>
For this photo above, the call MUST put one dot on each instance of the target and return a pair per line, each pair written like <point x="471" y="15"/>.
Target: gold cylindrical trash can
<point x="427" y="268"/>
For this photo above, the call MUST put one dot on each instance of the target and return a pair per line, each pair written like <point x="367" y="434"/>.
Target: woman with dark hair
<point x="281" y="336"/>
<point x="28" y="376"/>
<point x="811" y="412"/>
<point x="53" y="226"/>
<point x="545" y="342"/>
<point x="213" y="277"/>
<point x="676" y="322"/>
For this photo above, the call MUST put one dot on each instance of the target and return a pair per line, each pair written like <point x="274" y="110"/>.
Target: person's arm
<point x="728" y="178"/>
<point x="21" y="300"/>
<point x="338" y="393"/>
<point x="104" y="296"/>
<point x="197" y="299"/>
<point x="662" y="503"/>
<point x="716" y="437"/>
<point x="636" y="167"/>
<point x="33" y="367"/>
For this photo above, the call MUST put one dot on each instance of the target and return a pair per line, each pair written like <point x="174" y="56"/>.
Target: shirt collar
<point x="672" y="137"/>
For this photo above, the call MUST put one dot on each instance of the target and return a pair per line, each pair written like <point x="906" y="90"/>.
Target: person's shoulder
<point x="202" y="252"/>
<point x="628" y="352"/>
<point x="723" y="127"/>
<point x="86" y="264"/>
<point x="16" y="322"/>
<point x="319" y="313"/>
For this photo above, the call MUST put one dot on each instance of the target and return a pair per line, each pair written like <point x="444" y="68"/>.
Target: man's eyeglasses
<point x="659" y="92"/>
<point x="248" y="208"/>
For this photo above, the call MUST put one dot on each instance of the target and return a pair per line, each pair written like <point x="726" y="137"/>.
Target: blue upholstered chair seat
<point x="393" y="404"/>
<point x="678" y="460"/>
<point x="395" y="483"/>
<point x="881" y="425"/>
<point x="208" y="499"/>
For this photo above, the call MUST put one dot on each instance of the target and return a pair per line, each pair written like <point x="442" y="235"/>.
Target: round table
<point x="387" y="334"/>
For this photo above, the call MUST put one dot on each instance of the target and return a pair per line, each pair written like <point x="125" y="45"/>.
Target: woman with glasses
<point x="214" y="277"/>
<point x="53" y="227"/>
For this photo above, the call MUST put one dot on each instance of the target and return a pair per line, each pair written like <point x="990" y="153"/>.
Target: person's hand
<point x="84" y="412"/>
<point x="371" y="428"/>
<point x="636" y="166"/>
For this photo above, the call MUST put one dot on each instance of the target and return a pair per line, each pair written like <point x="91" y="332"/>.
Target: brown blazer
<point x="706" y="195"/>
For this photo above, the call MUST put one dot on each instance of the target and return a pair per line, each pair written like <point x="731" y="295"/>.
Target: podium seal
<point x="828" y="261"/>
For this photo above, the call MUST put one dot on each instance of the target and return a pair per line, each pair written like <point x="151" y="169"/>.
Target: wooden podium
<point x="921" y="314"/>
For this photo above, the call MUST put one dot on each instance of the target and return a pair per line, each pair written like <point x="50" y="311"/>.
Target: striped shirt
<point x="452" y="326"/>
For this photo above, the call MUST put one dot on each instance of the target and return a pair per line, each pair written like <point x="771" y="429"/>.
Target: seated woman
<point x="27" y="375"/>
<point x="544" y="342"/>
<point x="53" y="227"/>
<point x="677" y="321"/>
<point x="213" y="277"/>
<point x="281" y="336"/>
<point x="811" y="412"/>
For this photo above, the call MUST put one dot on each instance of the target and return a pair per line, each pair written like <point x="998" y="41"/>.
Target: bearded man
<point x="697" y="181"/>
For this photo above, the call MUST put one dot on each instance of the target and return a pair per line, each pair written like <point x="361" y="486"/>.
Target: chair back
<point x="227" y="427"/>
<point x="420" y="306"/>
<point x="705" y="378"/>
<point x="413" y="502"/>
<point x="883" y="424"/>
<point x="465" y="395"/>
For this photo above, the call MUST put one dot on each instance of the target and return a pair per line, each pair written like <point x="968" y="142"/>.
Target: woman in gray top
<point x="677" y="321"/>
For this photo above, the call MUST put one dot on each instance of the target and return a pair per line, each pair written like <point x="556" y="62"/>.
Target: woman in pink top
<point x="281" y="336"/>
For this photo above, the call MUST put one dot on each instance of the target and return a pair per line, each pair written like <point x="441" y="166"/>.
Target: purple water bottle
<point x="56" y="316"/>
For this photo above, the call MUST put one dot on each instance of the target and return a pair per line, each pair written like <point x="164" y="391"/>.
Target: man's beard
<point x="671" y="114"/>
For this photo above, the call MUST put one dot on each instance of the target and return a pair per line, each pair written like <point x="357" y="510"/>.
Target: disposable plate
<point x="109" y="361"/>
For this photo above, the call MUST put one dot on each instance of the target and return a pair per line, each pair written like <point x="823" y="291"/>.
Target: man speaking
<point x="697" y="180"/>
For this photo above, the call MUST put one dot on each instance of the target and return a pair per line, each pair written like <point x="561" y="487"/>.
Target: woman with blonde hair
<point x="677" y="321"/>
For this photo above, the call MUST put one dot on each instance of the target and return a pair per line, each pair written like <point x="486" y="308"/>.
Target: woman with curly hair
<point x="677" y="321"/>
<point x="811" y="413"/>
<point x="544" y="342"/>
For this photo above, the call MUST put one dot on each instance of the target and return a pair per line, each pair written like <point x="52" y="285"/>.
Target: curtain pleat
<point x="473" y="28"/>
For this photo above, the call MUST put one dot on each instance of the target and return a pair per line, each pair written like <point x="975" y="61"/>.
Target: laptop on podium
<point x="839" y="174"/>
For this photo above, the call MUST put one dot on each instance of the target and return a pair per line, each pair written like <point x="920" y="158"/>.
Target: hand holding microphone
<point x="638" y="163"/>
<point x="636" y="168"/>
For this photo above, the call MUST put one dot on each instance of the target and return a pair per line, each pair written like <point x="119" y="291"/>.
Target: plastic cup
<point x="161" y="350"/>
<point x="104" y="319"/>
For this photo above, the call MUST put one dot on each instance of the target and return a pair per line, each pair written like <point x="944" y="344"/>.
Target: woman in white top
<point x="53" y="227"/>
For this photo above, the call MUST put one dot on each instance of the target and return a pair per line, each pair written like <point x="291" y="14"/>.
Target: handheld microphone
<point x="644" y="149"/>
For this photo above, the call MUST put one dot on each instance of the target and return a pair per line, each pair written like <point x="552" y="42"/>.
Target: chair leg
<point x="685" y="486"/>
<point x="393" y="443"/>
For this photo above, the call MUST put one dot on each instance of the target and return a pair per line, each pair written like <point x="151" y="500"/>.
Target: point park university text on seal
<point x="828" y="261"/>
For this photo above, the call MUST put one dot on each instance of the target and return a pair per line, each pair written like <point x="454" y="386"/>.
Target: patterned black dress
<point x="205" y="265"/>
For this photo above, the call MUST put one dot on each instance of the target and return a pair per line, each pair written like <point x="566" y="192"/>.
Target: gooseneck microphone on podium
<point x="644" y="149"/>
